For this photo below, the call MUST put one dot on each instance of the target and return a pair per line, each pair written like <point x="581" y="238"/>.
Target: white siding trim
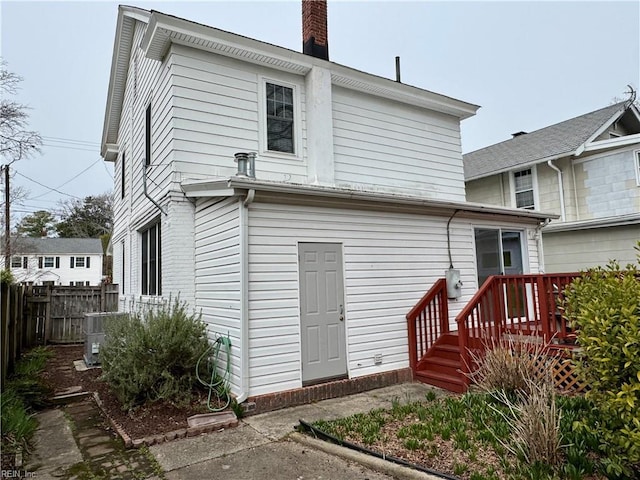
<point x="218" y="274"/>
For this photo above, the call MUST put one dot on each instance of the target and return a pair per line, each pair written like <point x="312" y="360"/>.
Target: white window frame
<point x="297" y="119"/>
<point x="15" y="259"/>
<point x="534" y="186"/>
<point x="78" y="262"/>
<point x="145" y="261"/>
<point x="636" y="157"/>
<point x="49" y="262"/>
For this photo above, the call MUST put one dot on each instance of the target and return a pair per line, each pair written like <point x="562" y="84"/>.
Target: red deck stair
<point x="442" y="364"/>
<point x="524" y="304"/>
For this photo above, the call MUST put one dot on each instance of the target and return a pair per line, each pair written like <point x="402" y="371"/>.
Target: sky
<point x="527" y="64"/>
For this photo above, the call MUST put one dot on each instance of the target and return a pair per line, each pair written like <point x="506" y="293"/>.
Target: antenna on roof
<point x="632" y="95"/>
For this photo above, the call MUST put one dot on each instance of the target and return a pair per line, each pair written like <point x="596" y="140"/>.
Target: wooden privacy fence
<point x="36" y="315"/>
<point x="61" y="309"/>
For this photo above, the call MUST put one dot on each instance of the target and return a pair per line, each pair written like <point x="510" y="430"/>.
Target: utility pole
<point x="7" y="222"/>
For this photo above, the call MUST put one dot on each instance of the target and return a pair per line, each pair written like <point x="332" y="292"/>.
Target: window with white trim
<point x="80" y="262"/>
<point x="523" y="188"/>
<point x="48" y="262"/>
<point x="151" y="265"/>
<point x="16" y="262"/>
<point x="637" y="160"/>
<point x="280" y="121"/>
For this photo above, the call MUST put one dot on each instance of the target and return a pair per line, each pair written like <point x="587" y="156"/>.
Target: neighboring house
<point x="586" y="170"/>
<point x="57" y="261"/>
<point x="355" y="208"/>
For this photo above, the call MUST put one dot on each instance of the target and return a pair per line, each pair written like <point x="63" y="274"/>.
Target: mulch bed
<point x="145" y="421"/>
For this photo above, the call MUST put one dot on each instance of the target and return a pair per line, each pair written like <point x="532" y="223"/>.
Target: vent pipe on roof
<point x="518" y="134"/>
<point x="246" y="164"/>
<point x="398" y="70"/>
<point x="314" y="29"/>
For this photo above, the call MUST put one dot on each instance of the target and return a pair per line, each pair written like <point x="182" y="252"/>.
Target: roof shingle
<point x="29" y="245"/>
<point x="555" y="140"/>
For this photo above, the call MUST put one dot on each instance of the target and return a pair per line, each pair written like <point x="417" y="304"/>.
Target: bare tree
<point x="16" y="141"/>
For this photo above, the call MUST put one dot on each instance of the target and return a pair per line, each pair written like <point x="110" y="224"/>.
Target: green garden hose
<point x="217" y="383"/>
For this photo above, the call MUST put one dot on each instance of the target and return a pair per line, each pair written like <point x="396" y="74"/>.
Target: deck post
<point x="545" y="289"/>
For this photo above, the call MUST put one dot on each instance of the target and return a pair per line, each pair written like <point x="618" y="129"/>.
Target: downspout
<point x="244" y="295"/>
<point x="540" y="244"/>
<point x="146" y="194"/>
<point x="563" y="216"/>
<point x="575" y="190"/>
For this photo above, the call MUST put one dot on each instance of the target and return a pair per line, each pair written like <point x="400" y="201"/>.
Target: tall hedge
<point x="604" y="307"/>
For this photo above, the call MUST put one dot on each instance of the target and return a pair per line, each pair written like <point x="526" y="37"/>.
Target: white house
<point x="57" y="261"/>
<point x="310" y="262"/>
<point x="585" y="169"/>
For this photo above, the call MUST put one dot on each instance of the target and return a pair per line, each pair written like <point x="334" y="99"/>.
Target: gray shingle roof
<point x="555" y="140"/>
<point x="91" y="246"/>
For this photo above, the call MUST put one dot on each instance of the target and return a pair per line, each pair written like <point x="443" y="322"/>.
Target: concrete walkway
<point x="266" y="447"/>
<point x="74" y="442"/>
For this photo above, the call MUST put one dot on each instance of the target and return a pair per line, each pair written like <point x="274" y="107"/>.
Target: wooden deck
<point x="505" y="306"/>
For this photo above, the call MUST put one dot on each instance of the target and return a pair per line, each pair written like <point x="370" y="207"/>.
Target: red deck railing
<point x="427" y="321"/>
<point x="517" y="304"/>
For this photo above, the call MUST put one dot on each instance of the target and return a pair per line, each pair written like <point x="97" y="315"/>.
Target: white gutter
<point x="200" y="188"/>
<point x="606" y="222"/>
<point x="244" y="295"/>
<point x="563" y="213"/>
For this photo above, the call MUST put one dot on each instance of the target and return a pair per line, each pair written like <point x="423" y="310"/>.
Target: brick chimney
<point x="314" y="28"/>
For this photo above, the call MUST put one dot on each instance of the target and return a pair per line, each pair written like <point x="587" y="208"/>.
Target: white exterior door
<point x="322" y="312"/>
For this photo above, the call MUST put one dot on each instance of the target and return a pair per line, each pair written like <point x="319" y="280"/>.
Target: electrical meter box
<point x="454" y="284"/>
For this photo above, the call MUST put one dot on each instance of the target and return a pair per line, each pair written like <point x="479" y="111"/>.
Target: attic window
<point x="280" y="118"/>
<point x="523" y="188"/>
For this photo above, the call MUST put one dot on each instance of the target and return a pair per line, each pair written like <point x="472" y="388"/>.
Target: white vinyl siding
<point x="58" y="269"/>
<point x="590" y="248"/>
<point x="390" y="261"/>
<point x="217" y="273"/>
<point x="216" y="114"/>
<point x="148" y="81"/>
<point x="382" y="145"/>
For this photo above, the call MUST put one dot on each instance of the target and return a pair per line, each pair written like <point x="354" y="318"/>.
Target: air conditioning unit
<point x="94" y="324"/>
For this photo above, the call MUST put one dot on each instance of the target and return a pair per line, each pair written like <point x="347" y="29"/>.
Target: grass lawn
<point x="470" y="436"/>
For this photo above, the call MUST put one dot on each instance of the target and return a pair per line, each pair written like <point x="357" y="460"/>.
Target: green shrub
<point x="24" y="392"/>
<point x="18" y="425"/>
<point x="152" y="355"/>
<point x="6" y="277"/>
<point x="26" y="382"/>
<point x="604" y="307"/>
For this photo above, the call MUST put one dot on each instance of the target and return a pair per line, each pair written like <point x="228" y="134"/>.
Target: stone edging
<point x="161" y="437"/>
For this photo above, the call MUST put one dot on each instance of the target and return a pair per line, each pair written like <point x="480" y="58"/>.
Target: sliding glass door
<point x="498" y="252"/>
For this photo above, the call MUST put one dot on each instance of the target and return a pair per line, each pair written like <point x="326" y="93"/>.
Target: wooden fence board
<point x="36" y="315"/>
